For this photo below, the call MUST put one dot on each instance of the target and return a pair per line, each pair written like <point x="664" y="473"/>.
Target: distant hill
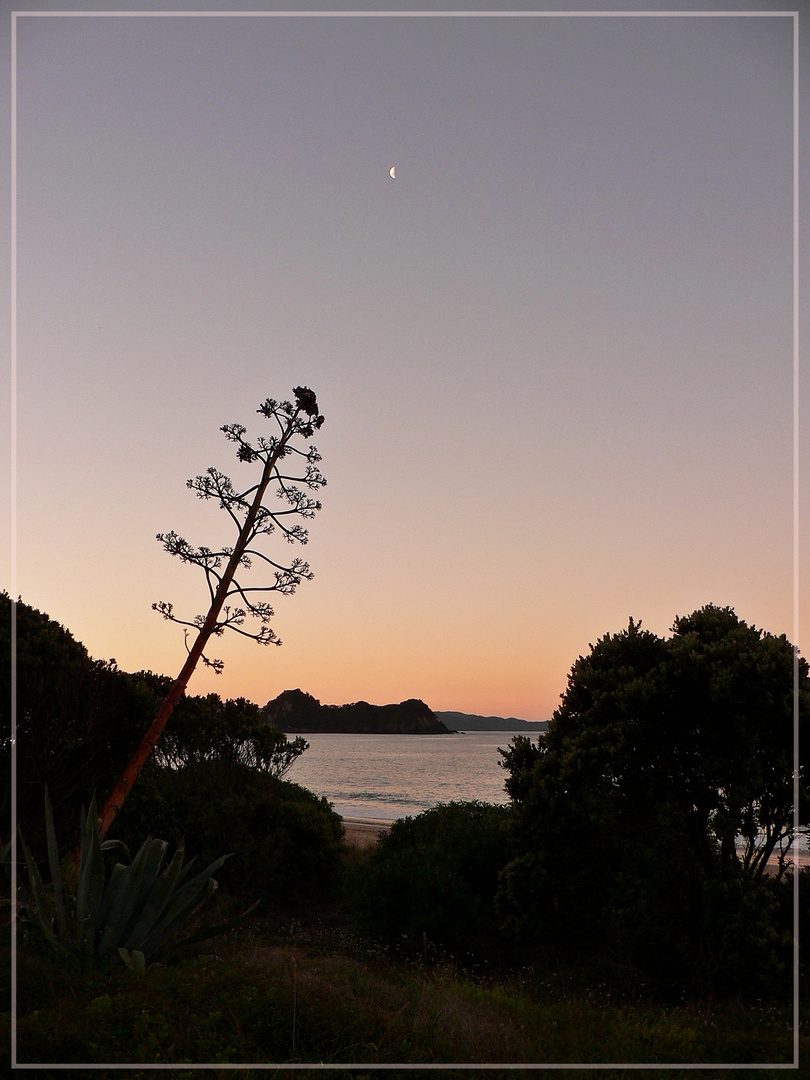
<point x="459" y="721"/>
<point x="297" y="713"/>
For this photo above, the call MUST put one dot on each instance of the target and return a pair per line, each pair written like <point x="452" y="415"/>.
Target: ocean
<point x="387" y="777"/>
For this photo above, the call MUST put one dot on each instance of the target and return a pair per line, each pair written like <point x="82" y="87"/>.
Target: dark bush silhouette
<point x="432" y="880"/>
<point x="644" y="818"/>
<point x="286" y="841"/>
<point x="76" y="719"/>
<point x="231" y="732"/>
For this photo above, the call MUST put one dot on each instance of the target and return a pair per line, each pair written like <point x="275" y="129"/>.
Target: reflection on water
<point x="391" y="776"/>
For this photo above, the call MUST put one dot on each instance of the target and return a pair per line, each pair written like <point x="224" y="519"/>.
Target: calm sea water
<point x="392" y="776"/>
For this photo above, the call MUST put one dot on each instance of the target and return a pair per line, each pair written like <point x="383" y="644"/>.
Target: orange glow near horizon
<point x="557" y="394"/>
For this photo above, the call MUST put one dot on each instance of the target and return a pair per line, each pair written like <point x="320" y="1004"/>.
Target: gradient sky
<point x="555" y="355"/>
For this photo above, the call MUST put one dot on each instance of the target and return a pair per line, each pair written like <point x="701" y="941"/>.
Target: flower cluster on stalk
<point x="254" y="519"/>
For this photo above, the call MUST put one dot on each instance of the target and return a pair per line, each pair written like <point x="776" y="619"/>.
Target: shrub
<point x="132" y="915"/>
<point x="644" y="817"/>
<point x="433" y="878"/>
<point x="78" y="721"/>
<point x="747" y="938"/>
<point x="232" y="732"/>
<point x="286" y="840"/>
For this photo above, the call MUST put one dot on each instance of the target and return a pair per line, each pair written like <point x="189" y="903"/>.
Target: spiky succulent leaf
<point x="108" y="845"/>
<point x="130" y="887"/>
<point x="183" y="902"/>
<point x="56" y="873"/>
<point x="110" y="893"/>
<point x="90" y="888"/>
<point x="137" y="912"/>
<point x="209" y="932"/>
<point x="155" y="901"/>
<point x="134" y="960"/>
<point x="36" y="898"/>
<point x="175" y="915"/>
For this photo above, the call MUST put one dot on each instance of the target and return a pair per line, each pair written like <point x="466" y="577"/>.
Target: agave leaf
<point x="175" y="914"/>
<point x="36" y="900"/>
<point x="90" y="888"/>
<point x="209" y="870"/>
<point x="26" y="900"/>
<point x="146" y="880"/>
<point x="108" y="845"/>
<point x="129" y="889"/>
<point x="134" y="960"/>
<point x="192" y="887"/>
<point x="184" y="901"/>
<point x="110" y="893"/>
<point x="210" y="931"/>
<point x="56" y="872"/>
<point x="141" y="906"/>
<point x="187" y="869"/>
<point x="181" y="904"/>
<point x="155" y="902"/>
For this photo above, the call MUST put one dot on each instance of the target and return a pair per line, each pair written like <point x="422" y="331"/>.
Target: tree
<point x="228" y="733"/>
<point x="252" y="520"/>
<point x="735" y="734"/>
<point x="645" y="817"/>
<point x="75" y="718"/>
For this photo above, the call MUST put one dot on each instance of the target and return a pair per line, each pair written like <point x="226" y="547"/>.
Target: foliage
<point x="286" y="841"/>
<point x="239" y="1006"/>
<point x="132" y="916"/>
<point x="231" y="732"/>
<point x="76" y="717"/>
<point x="663" y="756"/>
<point x="433" y="879"/>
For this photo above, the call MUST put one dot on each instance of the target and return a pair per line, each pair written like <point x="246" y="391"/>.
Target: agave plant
<point x="133" y="915"/>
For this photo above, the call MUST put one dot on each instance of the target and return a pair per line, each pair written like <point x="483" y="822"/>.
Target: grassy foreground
<point x="278" y="990"/>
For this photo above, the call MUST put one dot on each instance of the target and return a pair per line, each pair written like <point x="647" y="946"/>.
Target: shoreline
<point x="362" y="833"/>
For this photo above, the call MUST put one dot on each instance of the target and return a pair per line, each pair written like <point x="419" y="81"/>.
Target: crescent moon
<point x="392" y="172"/>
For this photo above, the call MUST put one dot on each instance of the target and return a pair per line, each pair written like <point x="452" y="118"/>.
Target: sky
<point x="555" y="354"/>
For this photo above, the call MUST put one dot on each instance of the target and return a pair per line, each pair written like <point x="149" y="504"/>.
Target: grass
<point x="280" y="990"/>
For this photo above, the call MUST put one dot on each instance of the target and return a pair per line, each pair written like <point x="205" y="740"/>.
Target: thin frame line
<point x="13" y="552"/>
<point x="321" y="1067"/>
<point x="13" y="428"/>
<point x="404" y="14"/>
<point x="796" y="671"/>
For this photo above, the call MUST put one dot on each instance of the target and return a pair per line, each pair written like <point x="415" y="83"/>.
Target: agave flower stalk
<point x="252" y="519"/>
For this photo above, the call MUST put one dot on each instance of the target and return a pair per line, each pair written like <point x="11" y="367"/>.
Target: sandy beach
<point x="363" y="832"/>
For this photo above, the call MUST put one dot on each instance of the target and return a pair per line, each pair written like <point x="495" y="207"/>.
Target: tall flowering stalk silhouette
<point x="231" y="602"/>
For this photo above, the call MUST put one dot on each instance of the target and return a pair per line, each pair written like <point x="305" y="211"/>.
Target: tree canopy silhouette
<point x="647" y="814"/>
<point x="76" y="717"/>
